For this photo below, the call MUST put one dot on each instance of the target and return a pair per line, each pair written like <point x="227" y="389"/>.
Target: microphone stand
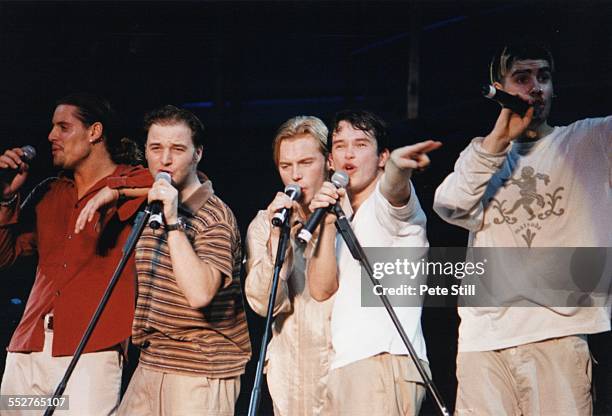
<point x="278" y="264"/>
<point x="344" y="228"/>
<point x="128" y="248"/>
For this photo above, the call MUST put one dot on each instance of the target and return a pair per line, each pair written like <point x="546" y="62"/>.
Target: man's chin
<point x="60" y="164"/>
<point x="539" y="117"/>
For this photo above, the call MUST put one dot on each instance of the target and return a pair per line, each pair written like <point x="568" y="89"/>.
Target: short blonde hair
<point x="298" y="126"/>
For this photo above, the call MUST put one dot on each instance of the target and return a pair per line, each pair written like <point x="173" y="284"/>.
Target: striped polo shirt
<point x="174" y="337"/>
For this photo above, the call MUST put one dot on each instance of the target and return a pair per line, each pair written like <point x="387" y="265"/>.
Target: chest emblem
<point x="532" y="206"/>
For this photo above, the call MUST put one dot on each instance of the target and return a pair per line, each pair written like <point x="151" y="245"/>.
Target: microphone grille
<point x="340" y="179"/>
<point x="29" y="152"/>
<point x="294" y="189"/>
<point x="488" y="91"/>
<point x="164" y="176"/>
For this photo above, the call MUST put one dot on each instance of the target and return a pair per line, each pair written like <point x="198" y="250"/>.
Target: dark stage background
<point x="245" y="67"/>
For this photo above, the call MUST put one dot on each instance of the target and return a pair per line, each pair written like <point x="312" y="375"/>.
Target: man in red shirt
<point x="73" y="269"/>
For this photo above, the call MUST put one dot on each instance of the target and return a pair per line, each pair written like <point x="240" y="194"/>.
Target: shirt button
<point x="57" y="293"/>
<point x="70" y="237"/>
<point x="65" y="265"/>
<point x="146" y="344"/>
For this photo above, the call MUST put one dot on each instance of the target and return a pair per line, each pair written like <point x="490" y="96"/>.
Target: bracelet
<point x="9" y="202"/>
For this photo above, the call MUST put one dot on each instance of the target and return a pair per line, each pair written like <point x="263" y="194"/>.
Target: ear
<point x="197" y="155"/>
<point x="95" y="132"/>
<point x="383" y="157"/>
<point x="330" y="161"/>
<point x="498" y="85"/>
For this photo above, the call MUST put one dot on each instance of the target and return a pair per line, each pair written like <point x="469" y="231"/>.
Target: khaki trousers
<point x="551" y="377"/>
<point x="93" y="389"/>
<point x="385" y="385"/>
<point x="157" y="393"/>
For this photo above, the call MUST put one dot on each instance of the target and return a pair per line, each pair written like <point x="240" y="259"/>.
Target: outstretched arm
<point x="395" y="185"/>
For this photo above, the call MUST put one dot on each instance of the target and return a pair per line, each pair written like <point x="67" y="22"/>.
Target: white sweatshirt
<point x="554" y="192"/>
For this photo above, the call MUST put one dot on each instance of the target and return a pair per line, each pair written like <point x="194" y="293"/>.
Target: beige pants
<point x="157" y="393"/>
<point x="385" y="385"/>
<point x="93" y="388"/>
<point x="551" y="377"/>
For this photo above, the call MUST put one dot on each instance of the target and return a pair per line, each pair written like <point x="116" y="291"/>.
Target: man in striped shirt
<point x="190" y="322"/>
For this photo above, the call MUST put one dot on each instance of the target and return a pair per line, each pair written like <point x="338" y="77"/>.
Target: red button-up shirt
<point x="73" y="269"/>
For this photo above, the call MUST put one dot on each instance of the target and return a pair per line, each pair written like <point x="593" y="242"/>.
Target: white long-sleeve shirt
<point x="553" y="192"/>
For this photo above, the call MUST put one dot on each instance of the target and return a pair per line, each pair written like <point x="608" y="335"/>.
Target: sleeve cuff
<point x="137" y="177"/>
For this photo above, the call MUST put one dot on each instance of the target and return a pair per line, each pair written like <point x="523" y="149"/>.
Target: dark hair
<point x="504" y="59"/>
<point x="169" y="114"/>
<point x="95" y="109"/>
<point x="365" y="121"/>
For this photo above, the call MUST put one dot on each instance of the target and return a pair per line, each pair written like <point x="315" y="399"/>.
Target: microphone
<point x="294" y="192"/>
<point x="512" y="102"/>
<point x="7" y="175"/>
<point x="340" y="179"/>
<point x="156" y="207"/>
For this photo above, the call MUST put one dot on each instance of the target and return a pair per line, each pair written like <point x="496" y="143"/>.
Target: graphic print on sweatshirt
<point x="529" y="203"/>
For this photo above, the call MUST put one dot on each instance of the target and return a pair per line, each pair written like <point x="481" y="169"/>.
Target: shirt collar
<point x="196" y="200"/>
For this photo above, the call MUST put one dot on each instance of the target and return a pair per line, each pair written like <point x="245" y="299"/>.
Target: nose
<point x="166" y="158"/>
<point x="536" y="88"/>
<point x="350" y="152"/>
<point x="52" y="136"/>
<point x="296" y="173"/>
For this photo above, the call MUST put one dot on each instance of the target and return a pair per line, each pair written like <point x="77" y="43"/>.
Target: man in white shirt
<point x="371" y="373"/>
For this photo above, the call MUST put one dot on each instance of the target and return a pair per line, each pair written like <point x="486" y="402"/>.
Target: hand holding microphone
<point x="327" y="197"/>
<point x="281" y="205"/>
<point x="513" y="121"/>
<point x="163" y="201"/>
<point x="513" y="102"/>
<point x="13" y="169"/>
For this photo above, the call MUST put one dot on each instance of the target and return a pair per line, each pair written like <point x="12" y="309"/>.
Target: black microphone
<point x="512" y="102"/>
<point x="294" y="192"/>
<point x="340" y="179"/>
<point x="7" y="175"/>
<point x="156" y="207"/>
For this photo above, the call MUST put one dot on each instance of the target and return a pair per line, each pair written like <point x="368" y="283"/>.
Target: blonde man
<point x="297" y="363"/>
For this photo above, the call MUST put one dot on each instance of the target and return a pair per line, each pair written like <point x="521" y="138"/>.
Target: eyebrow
<point x="530" y="70"/>
<point x="363" y="138"/>
<point x="304" y="159"/>
<point x="152" y="142"/>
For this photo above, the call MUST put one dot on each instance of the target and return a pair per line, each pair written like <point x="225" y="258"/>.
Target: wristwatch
<point x="178" y="225"/>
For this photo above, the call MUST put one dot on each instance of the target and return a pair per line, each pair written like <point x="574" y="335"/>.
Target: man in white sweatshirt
<point x="528" y="184"/>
